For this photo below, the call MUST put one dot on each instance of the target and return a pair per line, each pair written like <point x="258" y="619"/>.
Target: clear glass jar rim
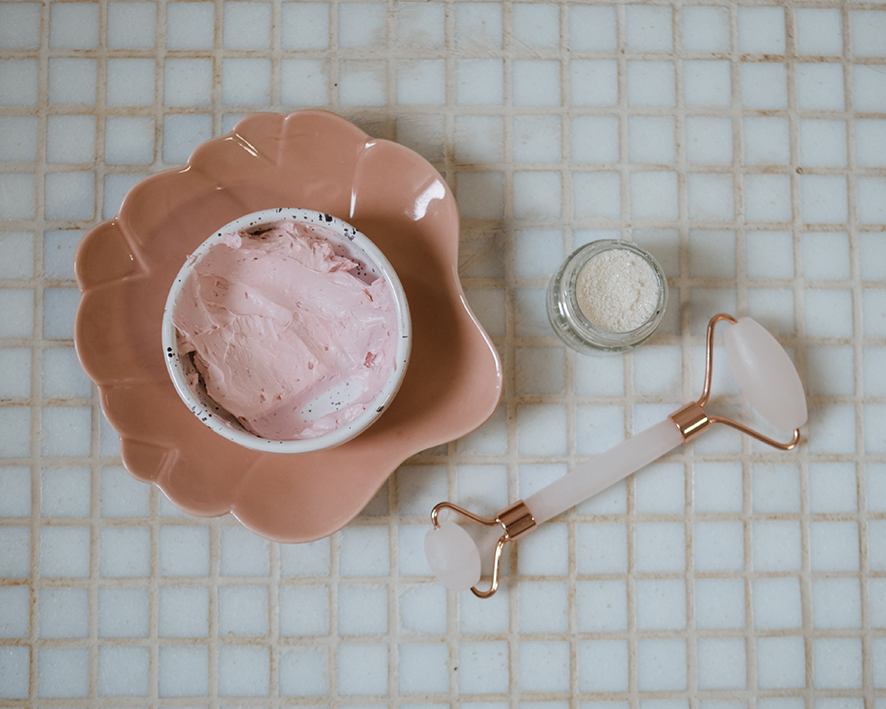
<point x="585" y="328"/>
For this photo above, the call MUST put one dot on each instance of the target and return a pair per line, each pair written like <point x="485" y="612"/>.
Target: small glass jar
<point x="571" y="324"/>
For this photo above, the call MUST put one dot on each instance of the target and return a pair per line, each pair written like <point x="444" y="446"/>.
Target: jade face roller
<point x="764" y="373"/>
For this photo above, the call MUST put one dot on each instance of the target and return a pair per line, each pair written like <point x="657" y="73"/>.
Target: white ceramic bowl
<point x="347" y="241"/>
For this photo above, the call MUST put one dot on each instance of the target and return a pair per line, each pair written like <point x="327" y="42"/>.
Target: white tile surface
<point x="774" y="212"/>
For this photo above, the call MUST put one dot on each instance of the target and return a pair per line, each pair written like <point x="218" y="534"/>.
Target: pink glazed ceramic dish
<point x="315" y="160"/>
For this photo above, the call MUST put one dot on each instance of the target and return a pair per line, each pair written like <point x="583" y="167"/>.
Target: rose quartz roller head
<point x="764" y="373"/>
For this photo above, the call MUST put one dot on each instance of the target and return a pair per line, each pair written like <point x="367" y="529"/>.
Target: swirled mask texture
<point x="288" y="337"/>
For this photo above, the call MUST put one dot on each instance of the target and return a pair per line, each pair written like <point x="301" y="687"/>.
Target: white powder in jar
<point x="617" y="290"/>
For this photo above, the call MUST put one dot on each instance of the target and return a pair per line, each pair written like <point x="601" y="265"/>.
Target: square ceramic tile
<point x="648" y="29"/>
<point x="246" y="81"/>
<point x="16" y="367"/>
<point x="65" y="492"/>
<point x="477" y="617"/>
<point x="761" y="30"/>
<point x="482" y="667"/>
<point x="776" y="545"/>
<point x="594" y="139"/>
<point x="247" y="25"/>
<point x="659" y="546"/>
<point x="190" y="25"/>
<point x="708" y="140"/>
<point x="535" y="82"/>
<point x="65" y="431"/>
<point x="243" y="610"/>
<point x="826" y="256"/>
<point x="130" y="82"/>
<point x="364" y="551"/>
<point x="769" y="254"/>
<point x="823" y="199"/>
<point x="124" y="552"/>
<point x="603" y="665"/>
<point x="541" y="430"/>
<point x="479" y="139"/>
<point x="305" y="25"/>
<point x="838" y="663"/>
<point x="818" y="31"/>
<point x="654" y="195"/>
<point x="17" y="423"/>
<point x="540" y="370"/>
<point x="21" y="26"/>
<point x="781" y="662"/>
<point x="479" y="82"/>
<point x="187" y="82"/>
<point x="304" y="672"/>
<point x="490" y="439"/>
<point x="362" y="610"/>
<point x="763" y="86"/>
<point x="766" y="141"/>
<point x="601" y="606"/>
<point x="832" y="429"/>
<point x="303" y="610"/>
<point x="660" y="604"/>
<point x="361" y="25"/>
<point x="834" y="546"/>
<point x="868" y="28"/>
<point x="543" y="607"/>
<point x="871" y="191"/>
<point x="777" y="603"/>
<point x="17" y="198"/>
<point x="722" y="663"/>
<point x="478" y="26"/>
<point x="62" y="672"/>
<point x="62" y="613"/>
<point x="823" y="143"/>
<point x="64" y="552"/>
<point x="117" y="186"/>
<point x="480" y="195"/>
<point x="719" y="603"/>
<point x="184" y="551"/>
<point x="537" y="252"/>
<point x="63" y="378"/>
<point x="20" y="138"/>
<point x="537" y="25"/>
<point x="419" y="24"/>
<point x="598" y="428"/>
<point x="183" y="612"/>
<point x="17" y="307"/>
<point x="820" y="87"/>
<point x="711" y="254"/>
<point x="422" y="609"/>
<point x="836" y="603"/>
<point x="69" y="195"/>
<point x="183" y="671"/>
<point x="15" y="672"/>
<point x="828" y="313"/>
<point x="592" y="28"/>
<point x="711" y="197"/>
<point x="122" y="495"/>
<point x="129" y="140"/>
<point x="767" y="198"/>
<point x="131" y="25"/>
<point x="243" y="553"/>
<point x="123" y="613"/>
<point x="707" y="83"/>
<point x="651" y="140"/>
<point x="661" y="665"/>
<point x="594" y="82"/>
<point x="719" y="546"/>
<point x="70" y="139"/>
<point x="421" y="83"/>
<point x="544" y="666"/>
<point x="15" y="612"/>
<point x="74" y="26"/>
<point x="705" y="29"/>
<point x="650" y="84"/>
<point x="123" y="671"/>
<point x="869" y="142"/>
<point x="181" y="134"/>
<point x="16" y="484"/>
<point x="19" y="82"/>
<point x="546" y="553"/>
<point x="537" y="195"/>
<point x="776" y="487"/>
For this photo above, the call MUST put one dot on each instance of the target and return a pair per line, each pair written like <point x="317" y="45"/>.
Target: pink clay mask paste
<point x="289" y="337"/>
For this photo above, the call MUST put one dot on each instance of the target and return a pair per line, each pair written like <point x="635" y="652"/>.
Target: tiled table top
<point x="744" y="145"/>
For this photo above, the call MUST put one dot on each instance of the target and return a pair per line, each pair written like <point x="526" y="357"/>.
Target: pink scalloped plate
<point x="310" y="159"/>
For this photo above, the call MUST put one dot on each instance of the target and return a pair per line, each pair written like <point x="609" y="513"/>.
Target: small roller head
<point x="453" y="556"/>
